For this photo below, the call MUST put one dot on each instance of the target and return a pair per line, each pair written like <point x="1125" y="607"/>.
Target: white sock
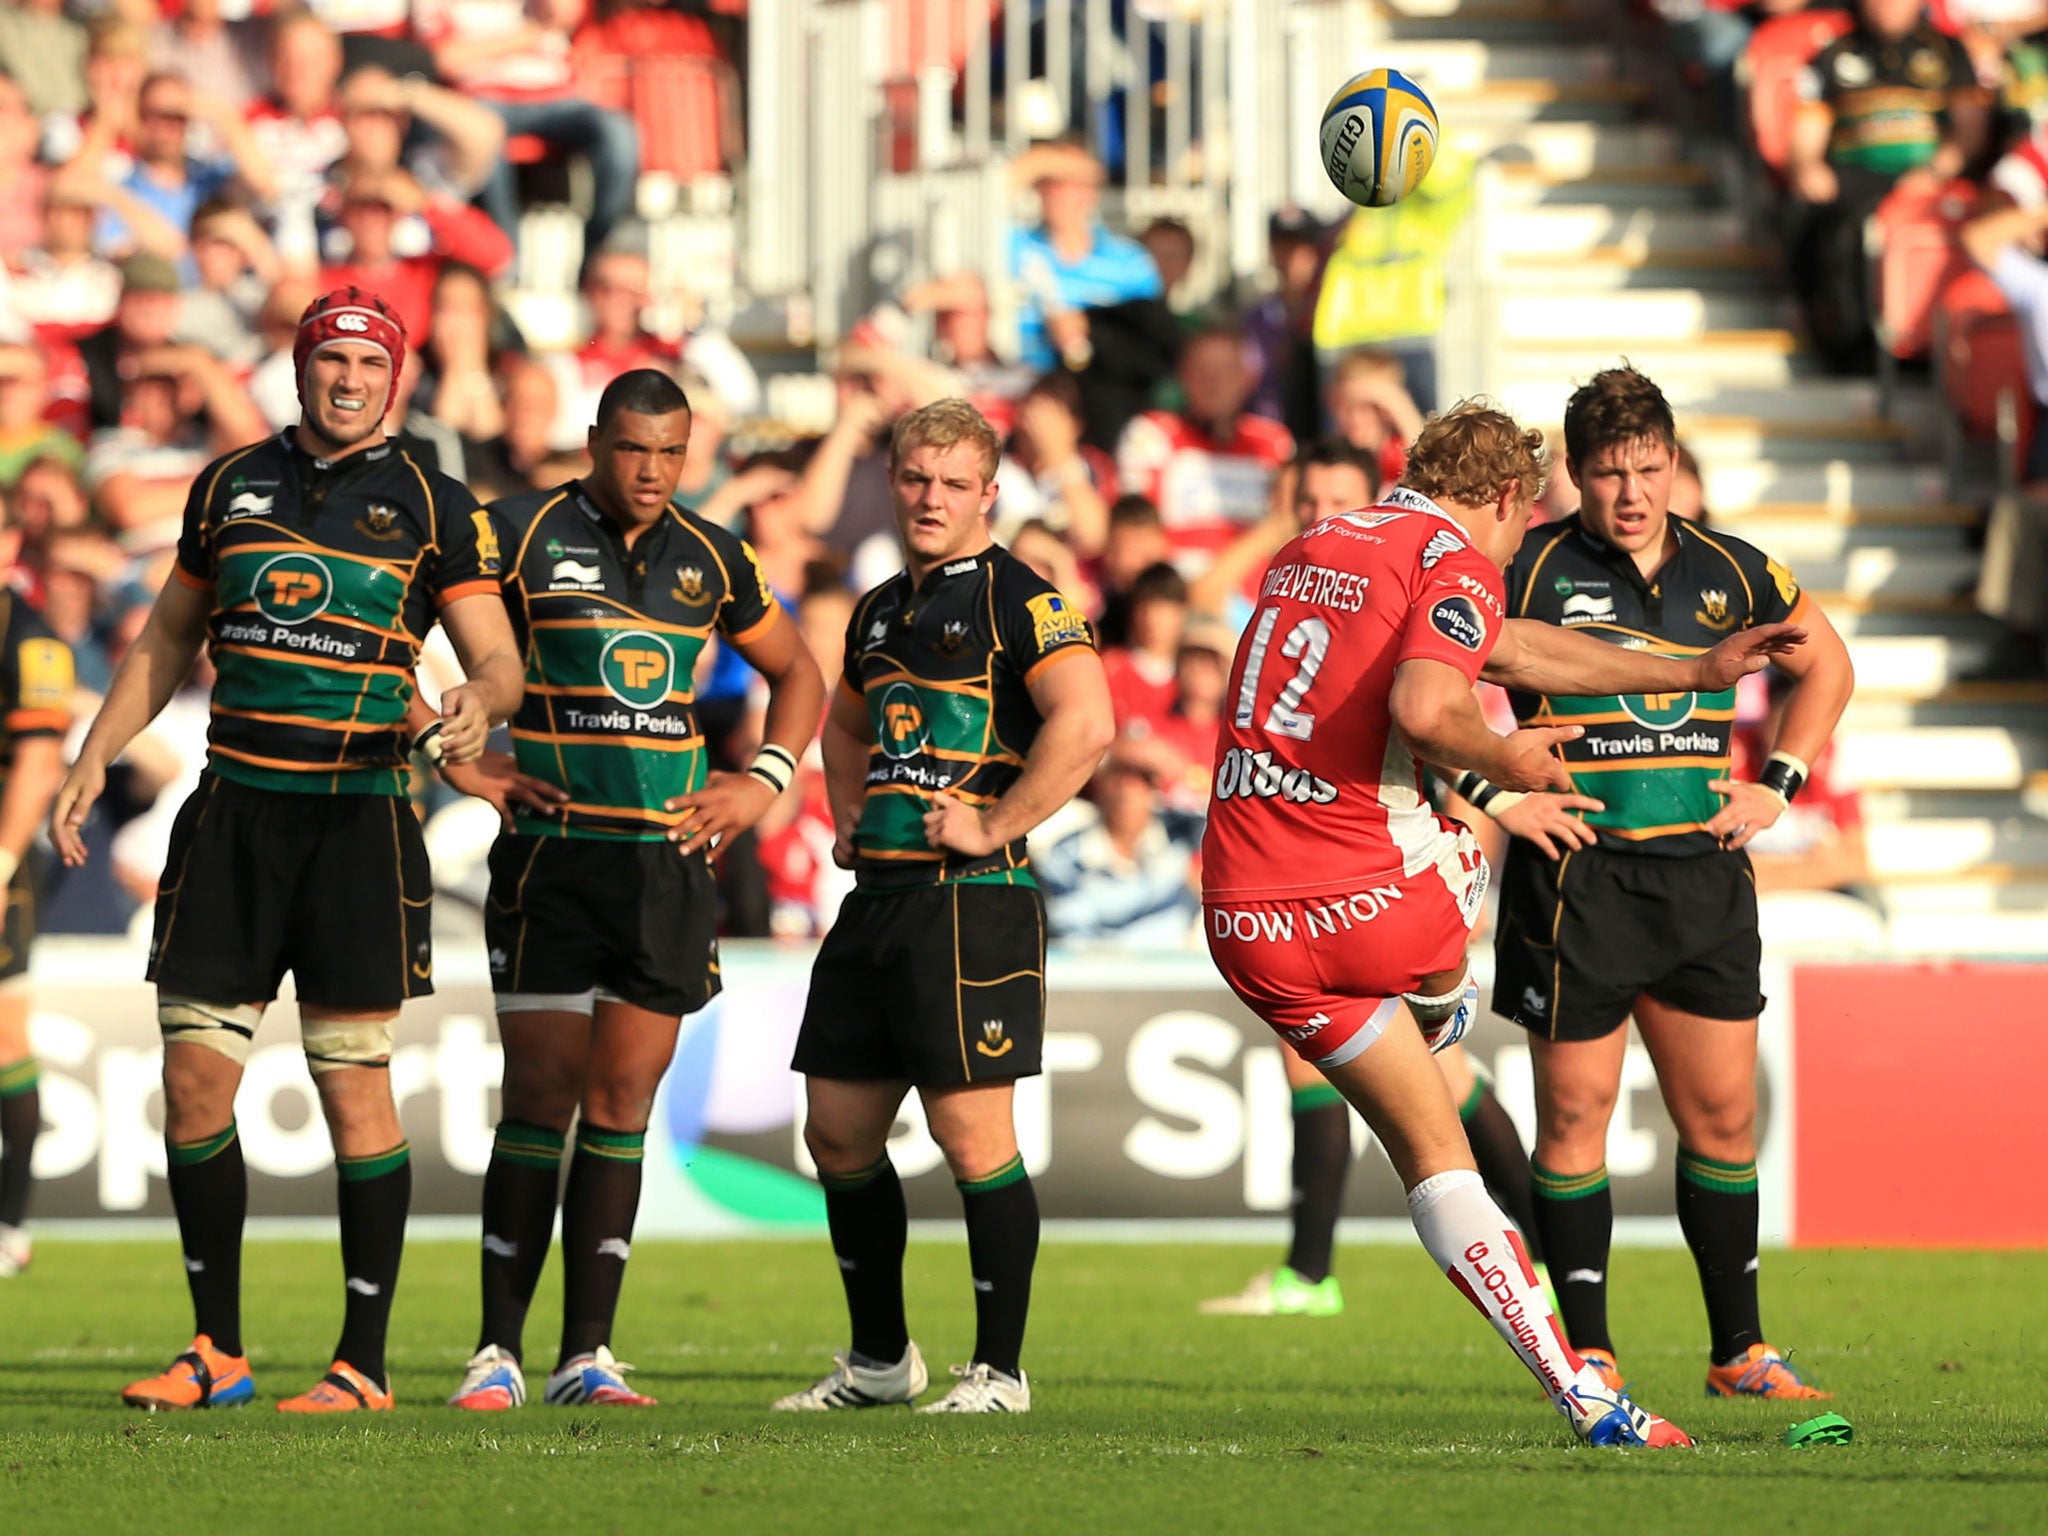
<point x="1476" y="1246"/>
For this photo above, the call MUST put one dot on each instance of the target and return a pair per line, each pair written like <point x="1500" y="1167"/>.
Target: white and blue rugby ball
<point x="1379" y="137"/>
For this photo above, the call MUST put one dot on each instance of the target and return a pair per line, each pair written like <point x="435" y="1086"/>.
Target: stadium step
<point x="1576" y="227"/>
<point x="1567" y="149"/>
<point x="1645" y="318"/>
<point x="1463" y="66"/>
<point x="1816" y="400"/>
<point x="1494" y="21"/>
<point x="1606" y="268"/>
<point x="1734" y="488"/>
<point x="1927" y="848"/>
<point x="1748" y="439"/>
<point x="1632" y="187"/>
<point x="1755" y="359"/>
<point x="1505" y="103"/>
<point x="1941" y="757"/>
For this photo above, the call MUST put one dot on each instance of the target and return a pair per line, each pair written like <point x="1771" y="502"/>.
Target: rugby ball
<point x="1379" y="137"/>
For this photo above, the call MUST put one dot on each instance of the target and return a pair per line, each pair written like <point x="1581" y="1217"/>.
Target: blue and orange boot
<point x="201" y="1377"/>
<point x="1761" y="1372"/>
<point x="344" y="1389"/>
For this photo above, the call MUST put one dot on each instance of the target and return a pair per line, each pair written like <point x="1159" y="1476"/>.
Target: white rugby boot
<point x="861" y="1386"/>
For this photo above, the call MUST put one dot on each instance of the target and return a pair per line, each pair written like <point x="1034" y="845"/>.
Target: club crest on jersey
<point x="1457" y="619"/>
<point x="1442" y="542"/>
<point x="951" y="638"/>
<point x="379" y="522"/>
<point x="689" y="586"/>
<point x="1055" y="621"/>
<point x="1713" y="610"/>
<point x="993" y="1041"/>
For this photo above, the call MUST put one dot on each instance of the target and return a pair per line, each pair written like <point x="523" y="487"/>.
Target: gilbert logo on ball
<point x="1379" y="137"/>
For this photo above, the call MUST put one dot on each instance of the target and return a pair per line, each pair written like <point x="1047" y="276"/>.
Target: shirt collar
<point x="966" y="565"/>
<point x="1407" y="500"/>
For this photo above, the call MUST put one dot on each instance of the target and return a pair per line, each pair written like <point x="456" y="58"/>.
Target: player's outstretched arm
<point x="1440" y="721"/>
<point x="1535" y="657"/>
<point x="848" y="735"/>
<point x="1071" y="693"/>
<point x="730" y="803"/>
<point x="482" y="634"/>
<point x="149" y="674"/>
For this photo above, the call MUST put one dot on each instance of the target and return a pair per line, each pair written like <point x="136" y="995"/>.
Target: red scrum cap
<point x="348" y="314"/>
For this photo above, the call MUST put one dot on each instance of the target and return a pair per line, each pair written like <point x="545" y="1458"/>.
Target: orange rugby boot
<point x="201" y="1377"/>
<point x="1762" y="1372"/>
<point x="344" y="1389"/>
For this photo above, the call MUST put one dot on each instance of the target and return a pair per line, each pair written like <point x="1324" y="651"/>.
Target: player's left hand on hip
<point x="727" y="805"/>
<point x="954" y="826"/>
<point x="1749" y="810"/>
<point x="466" y="725"/>
<point x="1747" y="651"/>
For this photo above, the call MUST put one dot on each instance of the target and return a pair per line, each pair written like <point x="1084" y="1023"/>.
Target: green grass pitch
<point x="1405" y="1414"/>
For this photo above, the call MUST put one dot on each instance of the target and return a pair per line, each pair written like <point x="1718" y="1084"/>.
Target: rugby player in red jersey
<point x="1336" y="902"/>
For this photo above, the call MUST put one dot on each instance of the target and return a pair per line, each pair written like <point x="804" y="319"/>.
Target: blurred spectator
<point x="222" y="60"/>
<point x="844" y="490"/>
<point x="1818" y="844"/>
<point x="48" y="500"/>
<point x="77" y="566"/>
<point x="1070" y="263"/>
<point x="2007" y="243"/>
<point x="449" y="143"/>
<point x="430" y="441"/>
<point x="180" y="408"/>
<point x="1207" y="467"/>
<point x="63" y="287"/>
<point x="146" y="317"/>
<point x="116" y="64"/>
<point x="26" y="433"/>
<point x="1141" y="668"/>
<point x="705" y="469"/>
<point x="460" y="355"/>
<point x="372" y="207"/>
<point x="1052" y="558"/>
<point x="1137" y="541"/>
<point x="1049" y="475"/>
<point x="1171" y="245"/>
<point x="1688" y="489"/>
<point x="1280" y="328"/>
<point x="1708" y="37"/>
<point x="960" y="340"/>
<point x="43" y="50"/>
<point x="774" y="525"/>
<point x="237" y="266"/>
<point x="1384" y="284"/>
<point x="795" y="838"/>
<point x="1120" y="869"/>
<point x="1184" y="743"/>
<point x="618" y="287"/>
<point x="299" y="130"/>
<point x="375" y="34"/>
<point x="274" y="385"/>
<point x="1892" y="104"/>
<point x="23" y="182"/>
<point x="515" y="58"/>
<point x="1371" y="408"/>
<point x="1327" y="477"/>
<point x="521" y="458"/>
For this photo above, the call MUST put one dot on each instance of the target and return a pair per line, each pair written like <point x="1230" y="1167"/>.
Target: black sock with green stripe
<point x="21" y="1119"/>
<point x="1002" y="1247"/>
<point x="520" y="1189"/>
<point x="210" y="1193"/>
<point x="1718" y="1211"/>
<point x="1575" y="1219"/>
<point x="870" y="1225"/>
<point x="1503" y="1161"/>
<point x="598" y="1209"/>
<point x="1322" y="1158"/>
<point x="376" y="1193"/>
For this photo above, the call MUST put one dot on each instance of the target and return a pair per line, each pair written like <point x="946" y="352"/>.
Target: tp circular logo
<point x="902" y="732"/>
<point x="1659" y="711"/>
<point x="638" y="668"/>
<point x="293" y="588"/>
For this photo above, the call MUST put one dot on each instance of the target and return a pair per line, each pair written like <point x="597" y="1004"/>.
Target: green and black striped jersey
<point x="942" y="670"/>
<point x="1649" y="757"/>
<point x="611" y="637"/>
<point x="325" y="576"/>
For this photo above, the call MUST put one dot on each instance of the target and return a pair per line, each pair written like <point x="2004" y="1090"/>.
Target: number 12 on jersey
<point x="1308" y="642"/>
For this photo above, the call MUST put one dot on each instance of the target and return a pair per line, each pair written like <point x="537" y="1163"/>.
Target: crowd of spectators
<point x="175" y="187"/>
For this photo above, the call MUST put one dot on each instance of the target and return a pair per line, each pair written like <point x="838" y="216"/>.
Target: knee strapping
<point x="1434" y="1010"/>
<point x="226" y="1028"/>
<point x="332" y="1044"/>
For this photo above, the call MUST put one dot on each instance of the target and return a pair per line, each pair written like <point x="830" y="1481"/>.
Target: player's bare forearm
<point x="1438" y="717"/>
<point x="1535" y="657"/>
<point x="32" y="781"/>
<point x="845" y="747"/>
<point x="482" y="634"/>
<point x="796" y="689"/>
<point x="1072" y="696"/>
<point x="152" y="671"/>
<point x="1825" y="679"/>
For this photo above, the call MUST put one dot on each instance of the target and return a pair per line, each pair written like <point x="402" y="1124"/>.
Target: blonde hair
<point x="941" y="425"/>
<point x="1469" y="454"/>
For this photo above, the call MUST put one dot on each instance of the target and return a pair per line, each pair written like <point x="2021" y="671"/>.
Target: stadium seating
<point x="1778" y="50"/>
<point x="1981" y="371"/>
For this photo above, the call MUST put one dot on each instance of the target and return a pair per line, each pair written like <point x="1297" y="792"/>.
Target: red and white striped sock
<point x="1479" y="1249"/>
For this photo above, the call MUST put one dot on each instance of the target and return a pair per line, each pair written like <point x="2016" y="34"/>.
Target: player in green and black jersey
<point x="312" y="565"/>
<point x="1640" y="900"/>
<point x="602" y="918"/>
<point x="972" y="706"/>
<point x="36" y="685"/>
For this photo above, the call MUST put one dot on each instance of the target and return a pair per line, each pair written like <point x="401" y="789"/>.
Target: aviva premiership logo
<point x="293" y="589"/>
<point x="638" y="668"/>
<point x="993" y="1041"/>
<point x="902" y="731"/>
